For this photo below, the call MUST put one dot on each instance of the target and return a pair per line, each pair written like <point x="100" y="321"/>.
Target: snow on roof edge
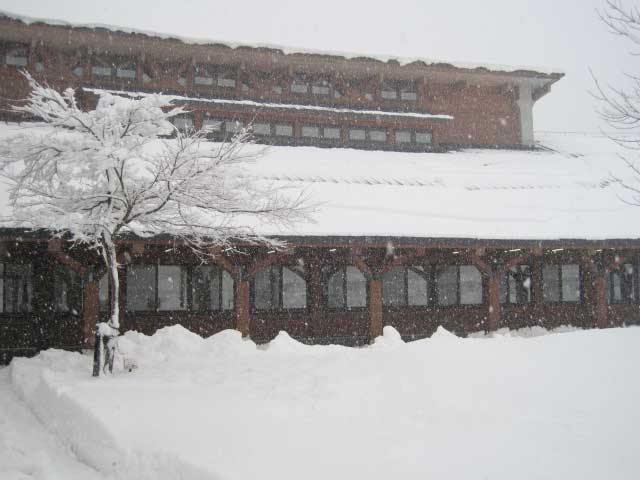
<point x="283" y="106"/>
<point x="545" y="70"/>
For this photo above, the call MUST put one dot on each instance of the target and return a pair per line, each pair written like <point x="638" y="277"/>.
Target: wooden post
<point x="91" y="312"/>
<point x="494" y="301"/>
<point x="243" y="303"/>
<point x="602" y="312"/>
<point x="375" y="307"/>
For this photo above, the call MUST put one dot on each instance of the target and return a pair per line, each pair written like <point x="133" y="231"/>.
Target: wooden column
<point x="602" y="312"/>
<point x="243" y="303"/>
<point x="91" y="312"/>
<point x="316" y="300"/>
<point x="493" y="297"/>
<point x="375" y="307"/>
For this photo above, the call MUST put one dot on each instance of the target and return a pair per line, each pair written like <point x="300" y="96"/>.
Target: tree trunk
<point x="107" y="333"/>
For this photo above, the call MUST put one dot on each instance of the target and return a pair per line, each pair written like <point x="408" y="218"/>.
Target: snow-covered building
<point x="419" y="223"/>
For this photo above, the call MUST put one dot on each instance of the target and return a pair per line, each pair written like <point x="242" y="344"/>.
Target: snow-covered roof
<point x="560" y="191"/>
<point x="291" y="50"/>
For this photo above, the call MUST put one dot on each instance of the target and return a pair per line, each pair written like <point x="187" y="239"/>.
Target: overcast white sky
<point x="566" y="34"/>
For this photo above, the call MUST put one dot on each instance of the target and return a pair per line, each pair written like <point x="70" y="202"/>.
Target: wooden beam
<point x="495" y="309"/>
<point x="91" y="312"/>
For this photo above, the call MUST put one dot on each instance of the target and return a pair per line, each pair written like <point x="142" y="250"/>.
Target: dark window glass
<point x="447" y="285"/>
<point x="515" y="286"/>
<point x="279" y="287"/>
<point x="172" y="287"/>
<point x="141" y="287"/>
<point x="345" y="287"/>
<point x="417" y="286"/>
<point x="212" y="288"/>
<point x="622" y="284"/>
<point x="394" y="288"/>
<point x="16" y="287"/>
<point x="561" y="283"/>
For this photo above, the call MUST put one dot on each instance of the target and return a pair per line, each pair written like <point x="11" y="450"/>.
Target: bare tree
<point x="620" y="106"/>
<point x="94" y="175"/>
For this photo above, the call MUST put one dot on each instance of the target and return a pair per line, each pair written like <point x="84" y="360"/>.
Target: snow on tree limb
<point x="123" y="168"/>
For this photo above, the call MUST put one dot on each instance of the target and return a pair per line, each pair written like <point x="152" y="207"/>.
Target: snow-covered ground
<point x="559" y="406"/>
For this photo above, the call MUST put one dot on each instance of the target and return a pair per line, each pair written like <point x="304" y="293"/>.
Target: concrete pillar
<point x="525" y="105"/>
<point x="375" y="307"/>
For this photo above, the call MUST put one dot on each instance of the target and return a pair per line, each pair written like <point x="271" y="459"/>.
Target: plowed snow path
<point x="27" y="449"/>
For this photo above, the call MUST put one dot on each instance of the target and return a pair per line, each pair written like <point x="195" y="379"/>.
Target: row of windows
<point x="212" y="76"/>
<point x="16" y="289"/>
<point x="210" y="288"/>
<point x="227" y="127"/>
<point x="173" y="288"/>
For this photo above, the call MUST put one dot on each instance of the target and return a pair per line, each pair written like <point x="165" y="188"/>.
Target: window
<point x="621" y="286"/>
<point x="515" y="286"/>
<point x="345" y="288"/>
<point x="16" y="287"/>
<point x="406" y="286"/>
<point x="182" y="81"/>
<point x="320" y="89"/>
<point x="226" y="82"/>
<point x="279" y="287"/>
<point x="311" y="131"/>
<point x="378" y="135"/>
<point x="183" y="123"/>
<point x="203" y="76"/>
<point x="212" y="288"/>
<point x="403" y="136"/>
<point x="176" y="287"/>
<point x="298" y="87"/>
<point x="128" y="72"/>
<point x="332" y="133"/>
<point x="18" y="57"/>
<point x="277" y="89"/>
<point x="561" y="283"/>
<point x="458" y="285"/>
<point x="78" y="71"/>
<point x="284" y="130"/>
<point x="66" y="291"/>
<point x="100" y="71"/>
<point x="213" y="124"/>
<point x="233" y="126"/>
<point x="262" y="128"/>
<point x="424" y="137"/>
<point x="361" y="134"/>
<point x="357" y="134"/>
<point x="316" y="131"/>
<point x="399" y="90"/>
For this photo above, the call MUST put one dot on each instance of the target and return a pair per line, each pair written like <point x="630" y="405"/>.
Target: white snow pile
<point x="179" y="406"/>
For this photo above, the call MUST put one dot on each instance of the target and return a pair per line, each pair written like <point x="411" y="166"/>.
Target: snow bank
<point x="552" y="406"/>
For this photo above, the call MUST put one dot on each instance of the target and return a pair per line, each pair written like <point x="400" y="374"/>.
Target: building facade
<point x="321" y="288"/>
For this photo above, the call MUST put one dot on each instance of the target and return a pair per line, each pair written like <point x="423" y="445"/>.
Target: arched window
<point x="345" y="287"/>
<point x="279" y="288"/>
<point x="406" y="286"/>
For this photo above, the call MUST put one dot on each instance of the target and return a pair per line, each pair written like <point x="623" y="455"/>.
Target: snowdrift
<point x="501" y="407"/>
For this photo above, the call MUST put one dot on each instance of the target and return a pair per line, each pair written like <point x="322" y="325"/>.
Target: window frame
<point x="610" y="285"/>
<point x="367" y="140"/>
<point x="30" y="290"/>
<point x="188" y="300"/>
<point x="334" y="270"/>
<point x="321" y="133"/>
<point x="507" y="275"/>
<point x="561" y="300"/>
<point x="280" y="307"/>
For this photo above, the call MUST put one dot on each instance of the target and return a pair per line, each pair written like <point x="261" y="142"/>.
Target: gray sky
<point x="566" y="34"/>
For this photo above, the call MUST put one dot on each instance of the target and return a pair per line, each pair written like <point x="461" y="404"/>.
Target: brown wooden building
<point x="445" y="250"/>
